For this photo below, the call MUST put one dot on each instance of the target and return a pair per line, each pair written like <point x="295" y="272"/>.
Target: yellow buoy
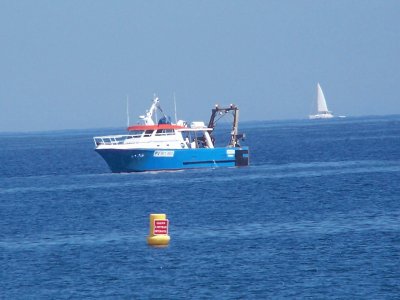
<point x="158" y="235"/>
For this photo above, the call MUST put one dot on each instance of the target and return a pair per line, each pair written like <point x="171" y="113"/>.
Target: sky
<point x="72" y="64"/>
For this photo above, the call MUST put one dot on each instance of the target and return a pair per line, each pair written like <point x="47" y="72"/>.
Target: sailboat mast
<point x="322" y="107"/>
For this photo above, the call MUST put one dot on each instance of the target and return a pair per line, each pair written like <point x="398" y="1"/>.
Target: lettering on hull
<point x="230" y="153"/>
<point x="164" y="153"/>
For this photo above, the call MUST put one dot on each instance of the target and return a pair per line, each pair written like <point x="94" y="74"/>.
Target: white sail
<point x="322" y="107"/>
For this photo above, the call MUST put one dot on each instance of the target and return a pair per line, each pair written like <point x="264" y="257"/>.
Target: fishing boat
<point x="322" y="108"/>
<point x="151" y="146"/>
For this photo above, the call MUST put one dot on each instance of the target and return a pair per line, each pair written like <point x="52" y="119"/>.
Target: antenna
<point x="176" y="118"/>
<point x="127" y="111"/>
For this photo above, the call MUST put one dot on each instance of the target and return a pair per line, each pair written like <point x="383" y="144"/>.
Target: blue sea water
<point x="316" y="215"/>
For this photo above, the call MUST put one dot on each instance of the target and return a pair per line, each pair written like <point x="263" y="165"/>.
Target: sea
<point x="316" y="215"/>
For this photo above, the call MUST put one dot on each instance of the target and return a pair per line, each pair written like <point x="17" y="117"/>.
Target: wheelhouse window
<point x="165" y="132"/>
<point x="136" y="133"/>
<point x="148" y="133"/>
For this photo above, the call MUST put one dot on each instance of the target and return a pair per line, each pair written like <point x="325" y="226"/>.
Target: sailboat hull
<point x="321" y="116"/>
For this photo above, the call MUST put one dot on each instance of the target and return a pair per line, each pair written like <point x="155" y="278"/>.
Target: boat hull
<point x="140" y="160"/>
<point x="321" y="116"/>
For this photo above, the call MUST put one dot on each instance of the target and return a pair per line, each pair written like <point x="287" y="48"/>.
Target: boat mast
<point x="147" y="119"/>
<point x="176" y="118"/>
<point x="127" y="111"/>
<point x="322" y="107"/>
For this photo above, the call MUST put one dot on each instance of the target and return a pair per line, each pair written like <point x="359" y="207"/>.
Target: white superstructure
<point x="163" y="135"/>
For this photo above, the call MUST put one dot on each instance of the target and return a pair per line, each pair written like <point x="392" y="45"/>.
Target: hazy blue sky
<point x="70" y="64"/>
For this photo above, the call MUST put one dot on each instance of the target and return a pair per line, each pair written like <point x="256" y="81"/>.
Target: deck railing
<point x="113" y="139"/>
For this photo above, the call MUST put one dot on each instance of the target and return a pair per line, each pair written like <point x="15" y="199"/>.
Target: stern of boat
<point x="242" y="157"/>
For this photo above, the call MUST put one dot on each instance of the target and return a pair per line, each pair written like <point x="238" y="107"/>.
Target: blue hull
<point x="140" y="160"/>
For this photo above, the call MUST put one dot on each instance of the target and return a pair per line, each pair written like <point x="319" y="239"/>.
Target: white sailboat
<point x="322" y="108"/>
